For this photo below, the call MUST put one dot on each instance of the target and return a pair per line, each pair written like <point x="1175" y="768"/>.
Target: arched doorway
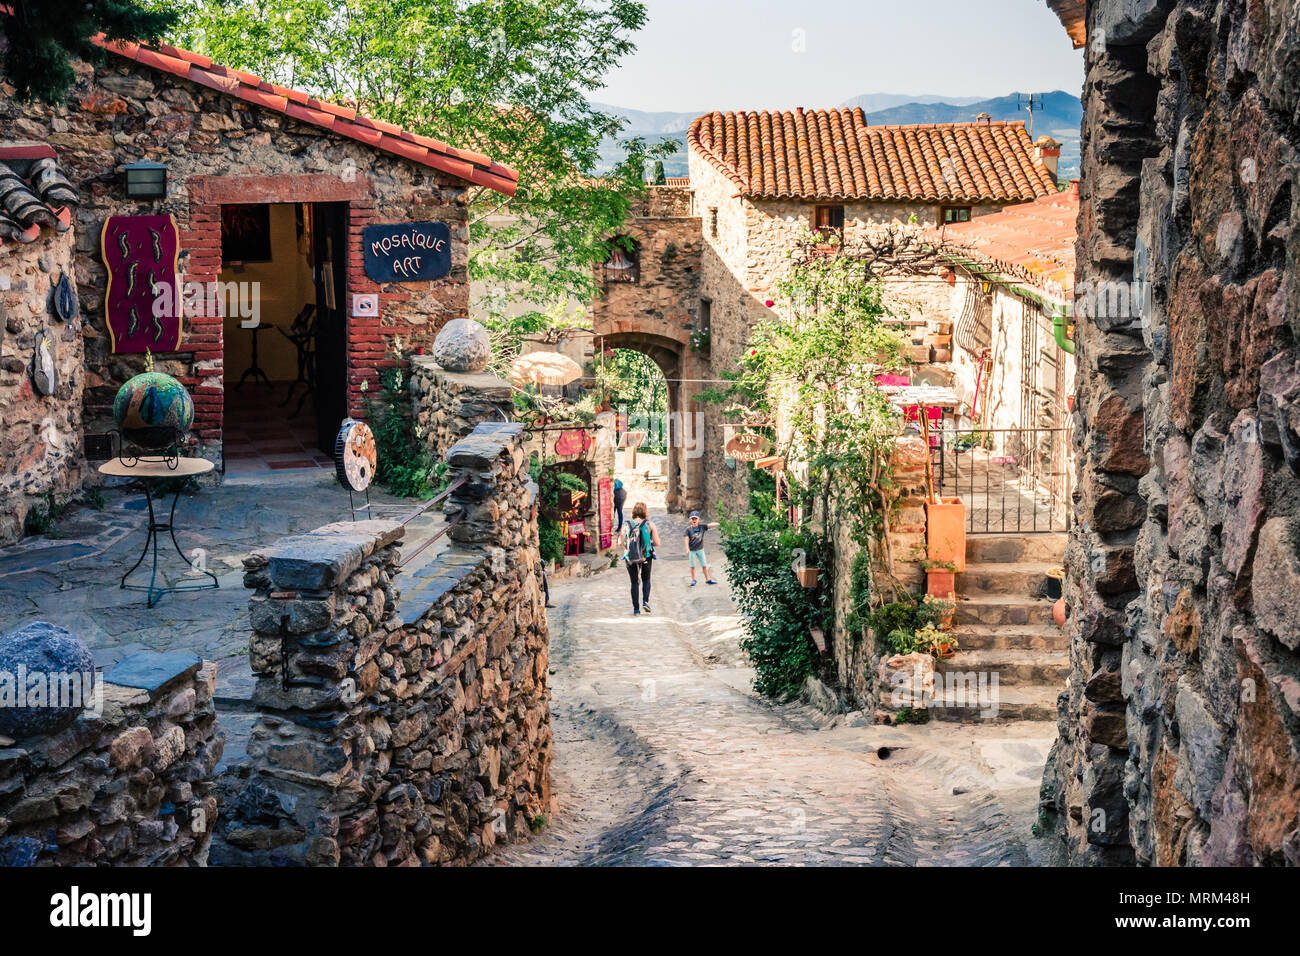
<point x="683" y="430"/>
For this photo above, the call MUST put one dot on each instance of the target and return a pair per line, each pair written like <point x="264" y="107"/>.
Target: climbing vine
<point x="816" y="359"/>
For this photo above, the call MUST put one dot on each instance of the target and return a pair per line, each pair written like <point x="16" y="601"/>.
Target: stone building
<point x="1180" y="729"/>
<point x="758" y="179"/>
<point x="40" y="408"/>
<point x="266" y="185"/>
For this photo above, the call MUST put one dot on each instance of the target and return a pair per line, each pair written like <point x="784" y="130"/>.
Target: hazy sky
<point x="696" y="55"/>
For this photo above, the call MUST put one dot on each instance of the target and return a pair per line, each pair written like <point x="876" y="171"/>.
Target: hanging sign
<point x="605" y="501"/>
<point x="140" y="254"/>
<point x="407" y="251"/>
<point x="747" y="446"/>
<point x="575" y="441"/>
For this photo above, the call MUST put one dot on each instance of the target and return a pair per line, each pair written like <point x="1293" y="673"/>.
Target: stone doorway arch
<point x="685" y="429"/>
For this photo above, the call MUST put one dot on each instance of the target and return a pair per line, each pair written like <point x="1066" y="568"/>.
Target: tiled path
<point x="261" y="438"/>
<point x="663" y="756"/>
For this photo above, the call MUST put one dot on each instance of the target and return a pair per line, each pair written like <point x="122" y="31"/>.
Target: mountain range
<point x="1057" y="114"/>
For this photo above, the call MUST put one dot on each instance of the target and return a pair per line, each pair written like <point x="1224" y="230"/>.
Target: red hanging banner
<point x="142" y="304"/>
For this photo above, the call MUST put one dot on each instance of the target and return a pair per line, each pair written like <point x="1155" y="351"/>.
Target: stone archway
<point x="685" y="431"/>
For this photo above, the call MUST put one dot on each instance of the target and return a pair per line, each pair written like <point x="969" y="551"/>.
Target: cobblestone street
<point x="664" y="756"/>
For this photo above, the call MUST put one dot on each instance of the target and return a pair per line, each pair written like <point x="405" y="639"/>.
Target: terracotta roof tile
<point x="471" y="166"/>
<point x="34" y="192"/>
<point x="1032" y="242"/>
<point x="834" y="154"/>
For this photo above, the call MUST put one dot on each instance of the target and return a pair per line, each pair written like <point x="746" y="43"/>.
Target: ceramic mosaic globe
<point x="153" y="411"/>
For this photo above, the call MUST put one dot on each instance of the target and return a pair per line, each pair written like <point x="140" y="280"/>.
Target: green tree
<point x="508" y="78"/>
<point x="659" y="178"/>
<point x="39" y="39"/>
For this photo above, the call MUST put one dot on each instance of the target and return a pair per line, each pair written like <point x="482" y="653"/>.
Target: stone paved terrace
<point x="71" y="577"/>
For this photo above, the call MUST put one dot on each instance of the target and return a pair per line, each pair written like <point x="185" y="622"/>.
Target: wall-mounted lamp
<point x="146" y="180"/>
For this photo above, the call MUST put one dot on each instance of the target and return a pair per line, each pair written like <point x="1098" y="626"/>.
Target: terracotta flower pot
<point x="944" y="651"/>
<point x="945" y="532"/>
<point x="1058" y="612"/>
<point x="808" y="577"/>
<point x="941" y="583"/>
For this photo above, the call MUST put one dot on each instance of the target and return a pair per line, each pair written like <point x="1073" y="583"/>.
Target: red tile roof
<point x="834" y="154"/>
<point x="677" y="180"/>
<point x="1032" y="242"/>
<point x="468" y="165"/>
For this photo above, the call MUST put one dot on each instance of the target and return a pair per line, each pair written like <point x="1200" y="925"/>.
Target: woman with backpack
<point x="639" y="540"/>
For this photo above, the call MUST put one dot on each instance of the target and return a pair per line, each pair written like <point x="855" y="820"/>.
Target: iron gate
<point x="1010" y="479"/>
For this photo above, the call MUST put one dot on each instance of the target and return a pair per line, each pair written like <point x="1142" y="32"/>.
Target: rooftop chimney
<point x="1048" y="152"/>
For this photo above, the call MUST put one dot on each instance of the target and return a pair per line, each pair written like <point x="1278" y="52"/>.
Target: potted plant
<point x="938" y="644"/>
<point x="945" y="532"/>
<point x="939" y="610"/>
<point x="807" y="576"/>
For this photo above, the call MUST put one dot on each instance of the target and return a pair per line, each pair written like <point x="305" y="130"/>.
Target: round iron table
<point x="148" y="471"/>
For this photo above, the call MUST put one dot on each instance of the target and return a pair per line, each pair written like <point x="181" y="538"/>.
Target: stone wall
<point x="129" y="786"/>
<point x="448" y="405"/>
<point x="1180" y="730"/>
<point x="219" y="149"/>
<point x="857" y="654"/>
<point x="40" y="435"/>
<point x="390" y="736"/>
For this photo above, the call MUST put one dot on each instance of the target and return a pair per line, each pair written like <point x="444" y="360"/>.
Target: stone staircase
<point x="1004" y="625"/>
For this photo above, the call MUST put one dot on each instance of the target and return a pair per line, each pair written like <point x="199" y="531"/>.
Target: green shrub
<point x="404" y="467"/>
<point x="779" y="614"/>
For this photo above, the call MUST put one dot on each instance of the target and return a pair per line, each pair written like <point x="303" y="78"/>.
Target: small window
<point x="706" y="315"/>
<point x="623" y="265"/>
<point x="713" y="222"/>
<point x="828" y="219"/>
<point x="956" y="214"/>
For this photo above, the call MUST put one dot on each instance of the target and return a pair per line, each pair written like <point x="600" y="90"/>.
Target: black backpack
<point x="636" y="548"/>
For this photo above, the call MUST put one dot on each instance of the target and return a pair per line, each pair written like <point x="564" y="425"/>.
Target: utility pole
<point x="1031" y="102"/>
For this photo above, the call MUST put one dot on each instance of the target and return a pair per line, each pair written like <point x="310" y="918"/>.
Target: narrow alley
<point x="665" y="756"/>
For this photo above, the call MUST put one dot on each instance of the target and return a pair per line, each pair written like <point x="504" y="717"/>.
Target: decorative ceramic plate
<point x="355" y="457"/>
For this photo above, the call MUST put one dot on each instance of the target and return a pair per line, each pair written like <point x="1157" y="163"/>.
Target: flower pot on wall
<point x="945" y="532"/>
<point x="807" y="577"/>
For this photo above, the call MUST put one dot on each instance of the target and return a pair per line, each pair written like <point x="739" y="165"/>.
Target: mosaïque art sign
<point x="407" y="251"/>
<point x="140" y="254"/>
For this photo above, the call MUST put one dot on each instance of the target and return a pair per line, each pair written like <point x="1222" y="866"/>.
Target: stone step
<point x="986" y="637"/>
<point x="1002" y="609"/>
<point x="1013" y="667"/>
<point x="1011" y="548"/>
<point x="1026" y="702"/>
<point x="1025" y="578"/>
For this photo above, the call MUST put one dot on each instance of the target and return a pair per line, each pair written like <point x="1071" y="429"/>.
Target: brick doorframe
<point x="201" y="262"/>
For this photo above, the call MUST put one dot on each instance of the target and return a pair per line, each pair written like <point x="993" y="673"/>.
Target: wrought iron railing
<point x="1011" y="479"/>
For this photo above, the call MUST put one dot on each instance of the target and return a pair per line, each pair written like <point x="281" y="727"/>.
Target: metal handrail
<point x="432" y="538"/>
<point x="440" y="496"/>
<point x="1003" y="500"/>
